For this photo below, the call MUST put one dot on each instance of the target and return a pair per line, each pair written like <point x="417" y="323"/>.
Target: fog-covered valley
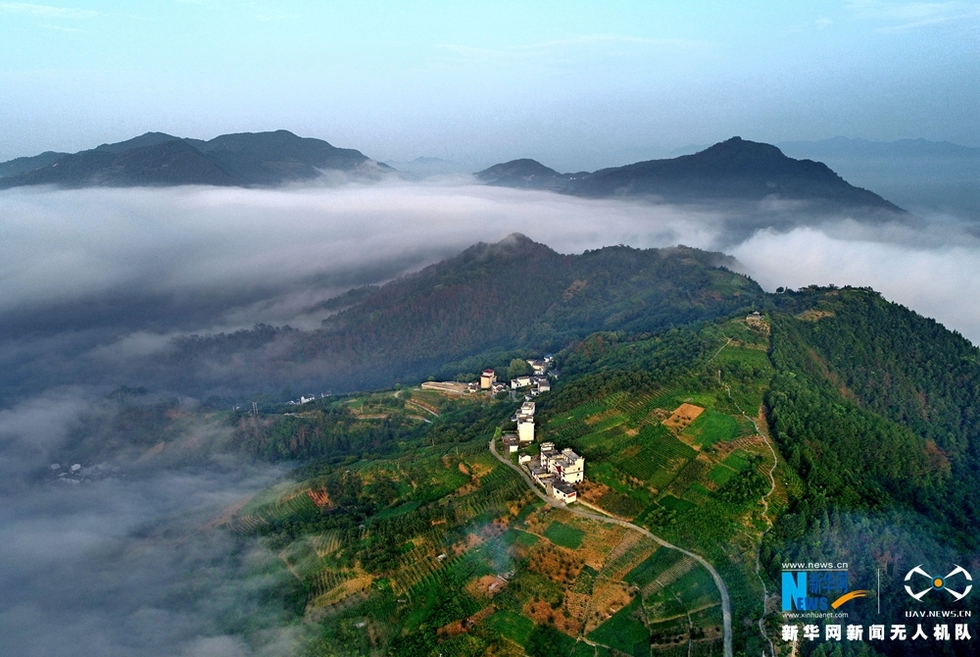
<point x="96" y="281"/>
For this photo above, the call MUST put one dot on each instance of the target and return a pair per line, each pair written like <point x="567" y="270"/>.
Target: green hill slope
<point x="455" y="316"/>
<point x="870" y="462"/>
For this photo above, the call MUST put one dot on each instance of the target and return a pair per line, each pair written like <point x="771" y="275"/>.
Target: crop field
<point x="683" y="416"/>
<point x="620" y="505"/>
<point x="660" y="570"/>
<point x="563" y="535"/>
<point x="675" y="504"/>
<point x="325" y="582"/>
<point x="737" y="460"/>
<point x="720" y="474"/>
<point x="625" y="631"/>
<point x="511" y="625"/>
<point x="654" y="456"/>
<point x="711" y="427"/>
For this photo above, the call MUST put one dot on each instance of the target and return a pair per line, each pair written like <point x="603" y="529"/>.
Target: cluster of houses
<point x="557" y="472"/>
<point x="76" y="474"/>
<point x="535" y="383"/>
<point x="303" y="399"/>
<point x="525" y="429"/>
<point x="530" y="385"/>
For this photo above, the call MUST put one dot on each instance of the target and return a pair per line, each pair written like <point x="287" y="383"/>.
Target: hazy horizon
<point x="573" y="85"/>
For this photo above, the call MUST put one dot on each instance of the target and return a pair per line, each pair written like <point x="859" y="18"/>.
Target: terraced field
<point x="444" y="544"/>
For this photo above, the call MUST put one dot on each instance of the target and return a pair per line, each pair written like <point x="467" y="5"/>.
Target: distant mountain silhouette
<point x="864" y="148"/>
<point x="920" y="175"/>
<point x="158" y="159"/>
<point x="734" y="169"/>
<point x="524" y="173"/>
<point x="25" y="164"/>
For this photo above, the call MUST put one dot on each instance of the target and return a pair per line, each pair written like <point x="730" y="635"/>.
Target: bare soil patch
<point x="319" y="497"/>
<point x="814" y="315"/>
<point x="486" y="586"/>
<point x="682" y="416"/>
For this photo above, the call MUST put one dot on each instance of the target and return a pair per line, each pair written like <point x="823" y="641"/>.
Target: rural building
<point x="539" y="474"/>
<point x="564" y="492"/>
<point x="487" y="378"/>
<point x="539" y="366"/>
<point x="566" y="465"/>
<point x="525" y="430"/>
<point x="511" y="444"/>
<point x="522" y="381"/>
<point x="555" y="471"/>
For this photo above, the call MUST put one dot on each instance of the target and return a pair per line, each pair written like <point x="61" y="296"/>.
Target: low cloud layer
<point x="119" y="563"/>
<point x="97" y="278"/>
<point x="200" y="259"/>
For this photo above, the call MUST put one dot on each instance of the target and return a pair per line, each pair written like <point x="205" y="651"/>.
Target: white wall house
<point x="525" y="430"/>
<point x="520" y="382"/>
<point x="566" y="465"/>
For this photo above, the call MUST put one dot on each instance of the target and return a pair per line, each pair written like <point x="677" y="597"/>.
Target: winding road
<point x="726" y="606"/>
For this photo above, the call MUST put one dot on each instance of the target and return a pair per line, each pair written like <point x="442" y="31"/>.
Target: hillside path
<point x="726" y="606"/>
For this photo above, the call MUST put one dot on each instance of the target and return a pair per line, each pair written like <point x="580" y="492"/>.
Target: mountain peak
<point x="156" y="158"/>
<point x="143" y="141"/>
<point x="525" y="172"/>
<point x="735" y="169"/>
<point x="741" y="151"/>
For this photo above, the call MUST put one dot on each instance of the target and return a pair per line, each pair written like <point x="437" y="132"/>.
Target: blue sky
<point x="576" y="85"/>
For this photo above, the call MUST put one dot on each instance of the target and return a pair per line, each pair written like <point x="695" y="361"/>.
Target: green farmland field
<point x="563" y="535"/>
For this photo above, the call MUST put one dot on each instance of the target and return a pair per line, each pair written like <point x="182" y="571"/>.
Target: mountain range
<point x="158" y="159"/>
<point x="734" y="169"/>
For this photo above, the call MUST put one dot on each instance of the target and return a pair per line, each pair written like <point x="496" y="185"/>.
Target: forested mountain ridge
<point x="869" y="407"/>
<point x="867" y="387"/>
<point x="516" y="294"/>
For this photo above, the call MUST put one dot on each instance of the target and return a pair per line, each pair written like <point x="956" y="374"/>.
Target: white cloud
<point x="97" y="280"/>
<point x="910" y="15"/>
<point x="44" y="11"/>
